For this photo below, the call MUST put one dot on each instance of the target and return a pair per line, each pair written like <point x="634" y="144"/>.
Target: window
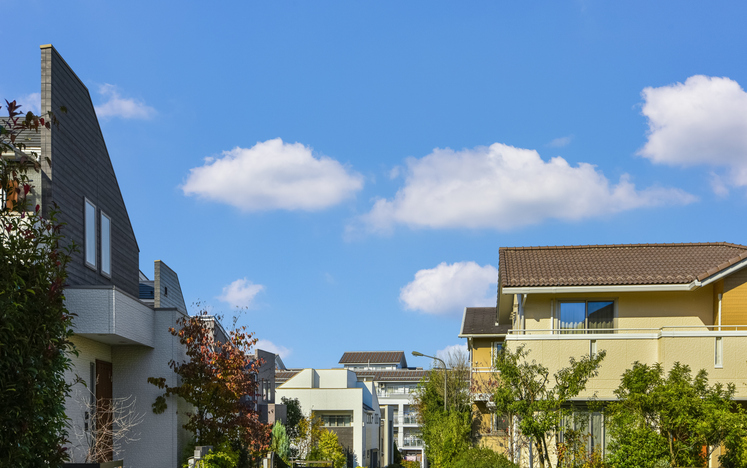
<point x="90" y="230"/>
<point x="590" y="315"/>
<point x="719" y="353"/>
<point x="106" y="245"/>
<point x="496" y="349"/>
<point x="336" y="420"/>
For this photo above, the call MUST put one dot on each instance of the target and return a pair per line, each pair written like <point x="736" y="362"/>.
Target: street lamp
<point x="417" y="354"/>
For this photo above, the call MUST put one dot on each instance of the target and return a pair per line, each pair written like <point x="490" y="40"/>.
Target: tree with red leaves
<point x="219" y="381"/>
<point x="35" y="326"/>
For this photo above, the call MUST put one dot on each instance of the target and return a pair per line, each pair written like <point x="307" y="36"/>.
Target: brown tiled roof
<point x="372" y="357"/>
<point x="282" y="376"/>
<point x="399" y="375"/>
<point x="482" y="321"/>
<point x="624" y="264"/>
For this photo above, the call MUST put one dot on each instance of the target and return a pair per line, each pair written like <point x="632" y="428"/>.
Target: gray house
<point x="121" y="328"/>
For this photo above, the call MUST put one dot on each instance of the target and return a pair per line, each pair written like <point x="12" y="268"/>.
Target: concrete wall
<point x="162" y="438"/>
<point x="75" y="405"/>
<point x="80" y="168"/>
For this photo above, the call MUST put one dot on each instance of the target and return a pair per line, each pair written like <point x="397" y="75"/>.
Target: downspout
<point x="720" y="296"/>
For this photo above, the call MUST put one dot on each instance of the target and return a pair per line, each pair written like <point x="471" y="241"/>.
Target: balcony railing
<point x="394" y="393"/>
<point x="405" y="419"/>
<point x="412" y="442"/>
<point x="608" y="333"/>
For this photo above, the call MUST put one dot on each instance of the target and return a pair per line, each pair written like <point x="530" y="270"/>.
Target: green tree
<point x="538" y="401"/>
<point x="445" y="433"/>
<point x="280" y="442"/>
<point x="293" y="416"/>
<point x="678" y="418"/>
<point x="482" y="457"/>
<point x="216" y="380"/>
<point x="35" y="326"/>
<point x="328" y="448"/>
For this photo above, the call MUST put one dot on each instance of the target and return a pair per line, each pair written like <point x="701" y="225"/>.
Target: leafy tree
<point x="328" y="448"/>
<point x="679" y="419"/>
<point x="397" y="455"/>
<point x="35" y="326"/>
<point x="217" y="380"/>
<point x="537" y="401"/>
<point x="293" y="417"/>
<point x="280" y="442"/>
<point x="309" y="432"/>
<point x="482" y="457"/>
<point x="446" y="433"/>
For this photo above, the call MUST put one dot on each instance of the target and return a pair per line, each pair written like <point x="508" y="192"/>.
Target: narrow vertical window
<point x="106" y="245"/>
<point x="719" y="354"/>
<point x="592" y="348"/>
<point x="90" y="242"/>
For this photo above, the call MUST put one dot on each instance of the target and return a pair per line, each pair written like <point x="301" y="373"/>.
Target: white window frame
<point x="494" y="351"/>
<point x="718" y="353"/>
<point x="92" y="265"/>
<point x="108" y="274"/>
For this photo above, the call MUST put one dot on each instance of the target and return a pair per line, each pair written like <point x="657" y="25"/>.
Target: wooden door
<point x="104" y="440"/>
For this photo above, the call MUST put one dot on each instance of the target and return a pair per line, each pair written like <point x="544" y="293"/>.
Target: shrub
<point x="482" y="457"/>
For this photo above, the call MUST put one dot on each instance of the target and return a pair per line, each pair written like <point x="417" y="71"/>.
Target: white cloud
<point x="451" y="352"/>
<point x="273" y="175"/>
<point x="560" y="142"/>
<point x="449" y="288"/>
<point x="117" y="106"/>
<point x="240" y="293"/>
<point x="268" y="345"/>
<point x="702" y="121"/>
<point x="503" y="187"/>
<point x="30" y="102"/>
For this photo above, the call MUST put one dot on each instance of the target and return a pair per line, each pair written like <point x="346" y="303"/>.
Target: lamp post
<point x="415" y="353"/>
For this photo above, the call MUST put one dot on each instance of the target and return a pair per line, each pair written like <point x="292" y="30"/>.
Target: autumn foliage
<point x="219" y="381"/>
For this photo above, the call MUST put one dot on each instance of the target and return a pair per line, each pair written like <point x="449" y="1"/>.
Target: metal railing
<point x="668" y="330"/>
<point x="387" y="393"/>
<point x="412" y="442"/>
<point x="405" y="418"/>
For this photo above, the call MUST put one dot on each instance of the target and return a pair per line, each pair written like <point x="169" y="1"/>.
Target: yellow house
<point x="484" y="339"/>
<point x="645" y="302"/>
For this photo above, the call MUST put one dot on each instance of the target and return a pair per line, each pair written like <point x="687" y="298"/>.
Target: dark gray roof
<point x="399" y="375"/>
<point x="373" y="357"/>
<point x="482" y="321"/>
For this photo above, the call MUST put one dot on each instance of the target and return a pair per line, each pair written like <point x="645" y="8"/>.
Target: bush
<point x="482" y="457"/>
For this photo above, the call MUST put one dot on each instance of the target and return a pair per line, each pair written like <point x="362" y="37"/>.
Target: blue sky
<point x="348" y="170"/>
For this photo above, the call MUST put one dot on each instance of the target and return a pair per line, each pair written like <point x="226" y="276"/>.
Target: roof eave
<point x="598" y="289"/>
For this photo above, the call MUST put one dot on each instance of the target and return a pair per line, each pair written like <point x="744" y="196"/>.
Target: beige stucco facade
<point x="649" y="327"/>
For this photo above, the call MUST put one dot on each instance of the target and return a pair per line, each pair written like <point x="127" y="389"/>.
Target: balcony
<point x="625" y="333"/>
<point x="412" y="442"/>
<point x="386" y="393"/>
<point x="411" y="418"/>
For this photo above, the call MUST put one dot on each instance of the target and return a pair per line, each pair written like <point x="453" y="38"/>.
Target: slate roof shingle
<point x="373" y="357"/>
<point x="482" y="321"/>
<point x="399" y="375"/>
<point x="620" y="264"/>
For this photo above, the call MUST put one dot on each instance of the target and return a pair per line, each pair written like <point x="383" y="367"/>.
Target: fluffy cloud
<point x="700" y="121"/>
<point x="503" y="187"/>
<point x="268" y="345"/>
<point x="449" y="288"/>
<point x="273" y="175"/>
<point x="240" y="293"/>
<point x="117" y="106"/>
